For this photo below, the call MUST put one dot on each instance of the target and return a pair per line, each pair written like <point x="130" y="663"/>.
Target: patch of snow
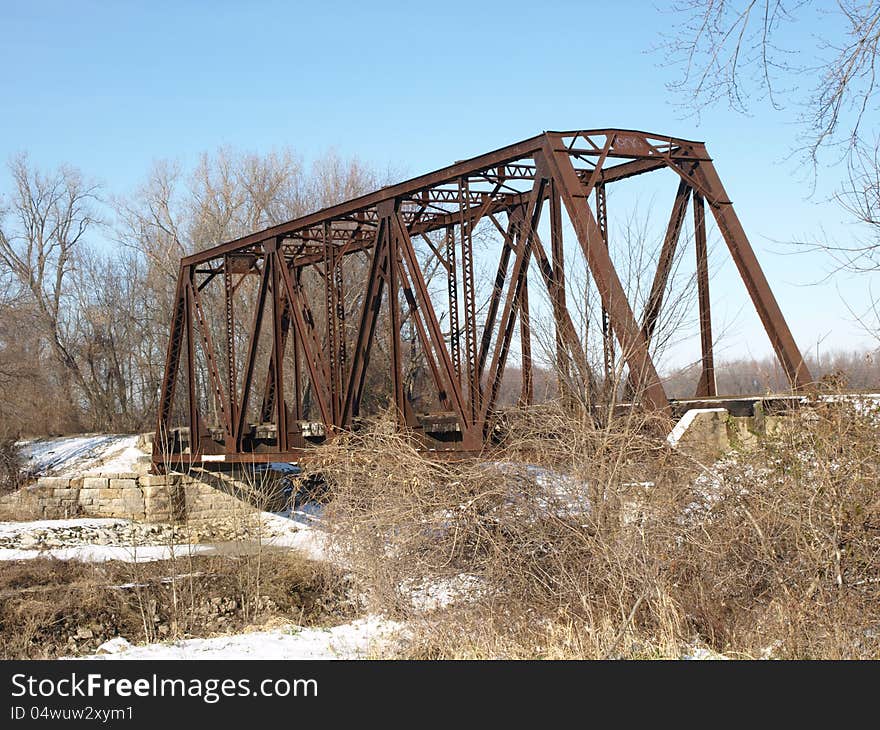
<point x="15" y="528"/>
<point x="558" y="494"/>
<point x="103" y="553"/>
<point x="74" y="455"/>
<point x="370" y="636"/>
<point x="45" y="456"/>
<point x="114" y="646"/>
<point x="121" y="457"/>
<point x="93" y="539"/>
<point x="306" y="513"/>
<point x="443" y="593"/>
<point x="701" y="653"/>
<point x="310" y="540"/>
<point x="166" y="580"/>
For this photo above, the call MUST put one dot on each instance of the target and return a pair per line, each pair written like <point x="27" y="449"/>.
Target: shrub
<point x="582" y="541"/>
<point x="12" y="474"/>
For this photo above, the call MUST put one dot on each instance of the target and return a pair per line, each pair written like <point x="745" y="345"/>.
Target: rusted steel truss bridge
<point x="272" y="334"/>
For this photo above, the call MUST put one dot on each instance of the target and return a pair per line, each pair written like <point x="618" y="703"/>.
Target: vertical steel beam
<point x="279" y="335"/>
<point x="331" y="309"/>
<point x="250" y="361"/>
<point x="231" y="366"/>
<point x="557" y="255"/>
<point x="706" y="384"/>
<point x="195" y="436"/>
<point x="298" y="414"/>
<point x="469" y="299"/>
<point x="527" y="394"/>
<point x="452" y="292"/>
<point x="386" y="211"/>
<point x="339" y="296"/>
<point x="607" y="333"/>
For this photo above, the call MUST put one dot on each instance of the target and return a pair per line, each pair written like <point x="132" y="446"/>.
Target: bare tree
<point x="740" y="51"/>
<point x="41" y="236"/>
<point x="734" y="50"/>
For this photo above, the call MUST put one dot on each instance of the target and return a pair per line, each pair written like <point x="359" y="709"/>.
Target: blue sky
<point x="112" y="86"/>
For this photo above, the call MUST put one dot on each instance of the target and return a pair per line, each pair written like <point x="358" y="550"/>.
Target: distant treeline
<point x="855" y="370"/>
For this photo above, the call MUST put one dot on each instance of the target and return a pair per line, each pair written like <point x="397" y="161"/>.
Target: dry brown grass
<point x="783" y="550"/>
<point x="774" y="552"/>
<point x="44" y="602"/>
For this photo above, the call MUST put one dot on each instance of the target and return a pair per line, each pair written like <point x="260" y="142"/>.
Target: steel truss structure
<point x="317" y="353"/>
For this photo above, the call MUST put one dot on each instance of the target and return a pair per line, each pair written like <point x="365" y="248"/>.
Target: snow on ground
<point x="309" y="513"/>
<point x="12" y="529"/>
<point x="77" y="455"/>
<point x="701" y="653"/>
<point x="96" y="540"/>
<point x="366" y="637"/>
<point x="443" y="593"/>
<point x="311" y="540"/>
<point x="557" y="493"/>
<point x="120" y="457"/>
<point x="103" y="553"/>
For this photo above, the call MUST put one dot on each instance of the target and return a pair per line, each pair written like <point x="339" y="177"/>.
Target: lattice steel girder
<point x="506" y="189"/>
<point x="629" y="144"/>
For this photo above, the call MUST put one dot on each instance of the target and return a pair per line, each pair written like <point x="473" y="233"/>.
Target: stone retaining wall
<point x="171" y="498"/>
<point x="708" y="433"/>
